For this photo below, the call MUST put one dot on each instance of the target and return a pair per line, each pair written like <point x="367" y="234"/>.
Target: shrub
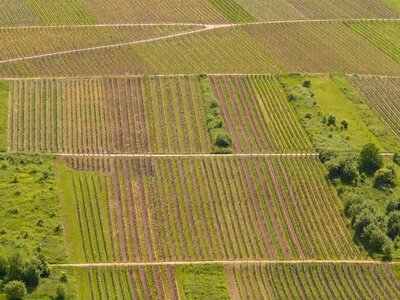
<point x="15" y="290"/>
<point x="343" y="167"/>
<point x="385" y="178"/>
<point x="63" y="277"/>
<point x="370" y="160"/>
<point x="396" y="158"/>
<point x="222" y="139"/>
<point x="3" y="267"/>
<point x="392" y="205"/>
<point x="345" y="124"/>
<point x="394" y="224"/>
<point x="60" y="291"/>
<point x="30" y="275"/>
<point x="331" y="120"/>
<point x="306" y="84"/>
<point x="15" y="267"/>
<point x="326" y="155"/>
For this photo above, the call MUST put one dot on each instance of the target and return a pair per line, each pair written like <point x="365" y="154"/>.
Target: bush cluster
<point x="16" y="272"/>
<point x="220" y="137"/>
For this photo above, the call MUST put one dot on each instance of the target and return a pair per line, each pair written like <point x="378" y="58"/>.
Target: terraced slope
<point x="384" y="35"/>
<point x="110" y="115"/>
<point x="256" y="112"/>
<point x="169" y="209"/>
<point x="23" y="42"/>
<point x="264" y="48"/>
<point x="383" y="97"/>
<point x="313" y="281"/>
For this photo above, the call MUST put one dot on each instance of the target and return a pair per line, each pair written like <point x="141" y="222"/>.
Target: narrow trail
<point x="182" y="155"/>
<point x="222" y="262"/>
<point x="205" y="27"/>
<point x="110" y="46"/>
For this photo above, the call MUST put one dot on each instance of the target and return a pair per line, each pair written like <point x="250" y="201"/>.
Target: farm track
<point x="206" y="27"/>
<point x="138" y="155"/>
<point x="224" y="262"/>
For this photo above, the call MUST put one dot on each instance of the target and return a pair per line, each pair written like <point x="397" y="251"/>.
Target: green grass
<point x="29" y="207"/>
<point x="393" y="4"/>
<point x="202" y="282"/>
<point x="232" y="10"/>
<point x="4" y="87"/>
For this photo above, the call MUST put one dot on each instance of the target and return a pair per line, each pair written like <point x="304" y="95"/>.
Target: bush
<point x="345" y="124"/>
<point x="396" y="158"/>
<point x="392" y="205"/>
<point x="331" y="120"/>
<point x="343" y="167"/>
<point x="15" y="267"/>
<point x="60" y="291"/>
<point x="306" y="84"/>
<point x="370" y="160"/>
<point x="63" y="277"/>
<point x="3" y="267"/>
<point x="30" y="275"/>
<point x="385" y="178"/>
<point x="326" y="155"/>
<point x="394" y="224"/>
<point x="15" y="290"/>
<point x="223" y="139"/>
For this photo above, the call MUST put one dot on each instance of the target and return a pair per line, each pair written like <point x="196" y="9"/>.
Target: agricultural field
<point x="23" y="42"/>
<point x="313" y="47"/>
<point x="256" y="113"/>
<point x="383" y="96"/>
<point x="203" y="216"/>
<point x="313" y="281"/>
<point x="4" y="92"/>
<point x="384" y="35"/>
<point x="110" y="115"/>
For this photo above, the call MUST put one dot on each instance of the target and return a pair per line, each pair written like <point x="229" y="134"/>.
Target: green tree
<point x="394" y="224"/>
<point x="385" y="178"/>
<point x="15" y="267"/>
<point x="332" y="120"/>
<point x="60" y="291"/>
<point x="396" y="158"/>
<point x="15" y="290"/>
<point x="370" y="160"/>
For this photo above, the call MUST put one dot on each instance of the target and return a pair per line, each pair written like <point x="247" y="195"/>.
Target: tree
<point x="394" y="224"/>
<point x="385" y="178"/>
<point x="15" y="290"/>
<point x="396" y="158"/>
<point x="345" y="124"/>
<point x="332" y="120"/>
<point x="3" y="267"/>
<point x="31" y="274"/>
<point x="370" y="160"/>
<point x="60" y="291"/>
<point x="15" y="267"/>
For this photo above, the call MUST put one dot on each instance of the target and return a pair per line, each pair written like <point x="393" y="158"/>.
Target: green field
<point x="4" y="92"/>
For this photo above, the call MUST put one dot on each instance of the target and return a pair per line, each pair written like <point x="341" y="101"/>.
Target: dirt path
<point x="223" y="262"/>
<point x="116" y="155"/>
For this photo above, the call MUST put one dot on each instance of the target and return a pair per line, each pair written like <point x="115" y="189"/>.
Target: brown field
<point x="168" y="209"/>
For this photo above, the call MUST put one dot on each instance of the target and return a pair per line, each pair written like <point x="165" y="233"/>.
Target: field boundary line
<point x="198" y="24"/>
<point x="116" y="155"/>
<point x="184" y="75"/>
<point x="223" y="262"/>
<point x="110" y="46"/>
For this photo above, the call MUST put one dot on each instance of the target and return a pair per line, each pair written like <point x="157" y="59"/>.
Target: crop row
<point x="257" y="114"/>
<point x="133" y="115"/>
<point x="384" y="35"/>
<point x="383" y="97"/>
<point x="24" y="42"/>
<point x="126" y="283"/>
<point x="264" y="48"/>
<point x="158" y="209"/>
<point x="313" y="281"/>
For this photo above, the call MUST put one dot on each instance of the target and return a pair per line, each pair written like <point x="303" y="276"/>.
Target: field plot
<point x="169" y="209"/>
<point x="384" y="35"/>
<point x="316" y="47"/>
<point x="153" y="11"/>
<point x="313" y="281"/>
<point x="17" y="13"/>
<point x="256" y="113"/>
<point x="154" y="282"/>
<point x="120" y="115"/>
<point x="23" y="42"/>
<point x="342" y="9"/>
<point x="322" y="47"/>
<point x="383" y="96"/>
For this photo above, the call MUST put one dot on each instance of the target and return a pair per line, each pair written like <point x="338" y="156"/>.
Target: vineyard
<point x="263" y="48"/>
<point x="23" y="42"/>
<point x="384" y="35"/>
<point x="383" y="96"/>
<point x="155" y="282"/>
<point x="211" y="208"/>
<point x="313" y="281"/>
<point x="257" y="114"/>
<point x="120" y="115"/>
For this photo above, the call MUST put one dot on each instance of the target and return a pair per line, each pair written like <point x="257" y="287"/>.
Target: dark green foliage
<point x="344" y="124"/>
<point x="60" y="291"/>
<point x="385" y="178"/>
<point x="15" y="290"/>
<point x="370" y="160"/>
<point x="63" y="277"/>
<point x="344" y="167"/>
<point x="331" y="121"/>
<point x="393" y="204"/>
<point x="396" y="158"/>
<point x="394" y="224"/>
<point x="220" y="138"/>
<point x="307" y="83"/>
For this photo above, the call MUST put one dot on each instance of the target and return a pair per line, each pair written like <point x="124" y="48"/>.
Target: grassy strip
<point x="29" y="207"/>
<point x="4" y="88"/>
<point x="202" y="282"/>
<point x="220" y="138"/>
